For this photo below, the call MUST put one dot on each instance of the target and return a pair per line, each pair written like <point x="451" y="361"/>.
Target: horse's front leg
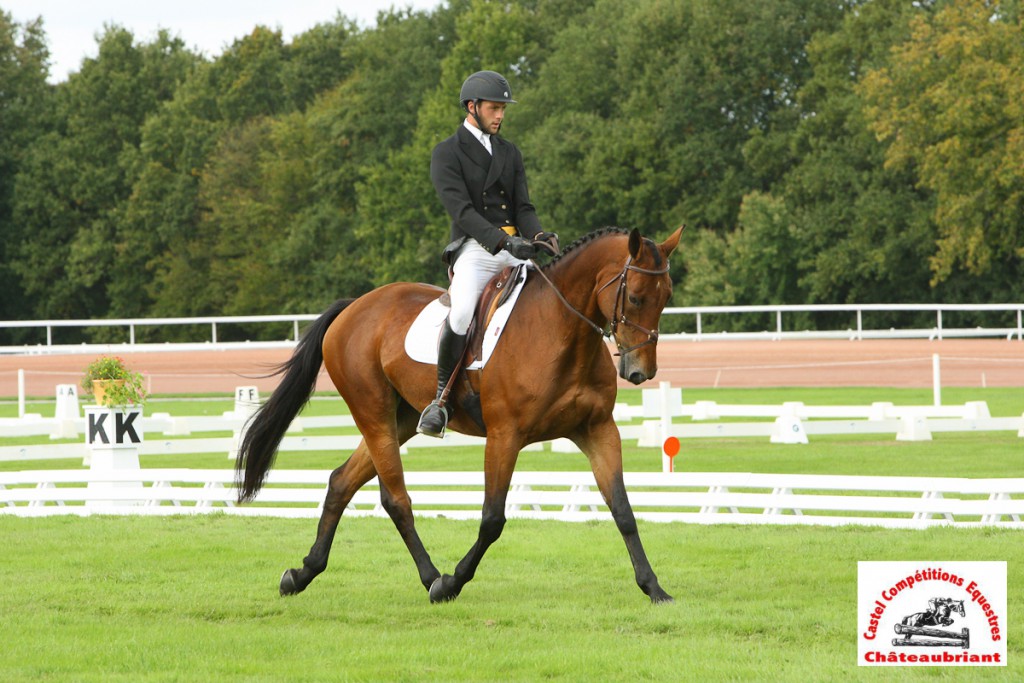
<point x="603" y="446"/>
<point x="499" y="463"/>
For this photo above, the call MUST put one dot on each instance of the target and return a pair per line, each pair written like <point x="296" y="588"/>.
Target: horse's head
<point x="633" y="301"/>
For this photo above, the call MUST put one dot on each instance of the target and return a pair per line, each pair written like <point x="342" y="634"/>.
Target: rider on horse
<point x="482" y="183"/>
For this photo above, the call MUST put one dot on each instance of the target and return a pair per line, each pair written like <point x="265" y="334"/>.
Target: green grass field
<point x="195" y="598"/>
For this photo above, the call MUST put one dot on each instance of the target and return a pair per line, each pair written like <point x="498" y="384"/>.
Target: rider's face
<point x="491" y="114"/>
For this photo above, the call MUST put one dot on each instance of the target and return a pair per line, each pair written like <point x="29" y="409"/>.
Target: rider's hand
<point x="549" y="240"/>
<point x="518" y="247"/>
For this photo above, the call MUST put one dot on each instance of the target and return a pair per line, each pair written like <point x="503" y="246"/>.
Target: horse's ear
<point x="669" y="245"/>
<point x="636" y="243"/>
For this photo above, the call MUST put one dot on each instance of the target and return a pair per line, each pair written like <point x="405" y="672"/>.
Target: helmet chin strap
<point x="479" y="123"/>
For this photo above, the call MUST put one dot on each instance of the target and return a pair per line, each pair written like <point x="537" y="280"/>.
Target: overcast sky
<point x="207" y="25"/>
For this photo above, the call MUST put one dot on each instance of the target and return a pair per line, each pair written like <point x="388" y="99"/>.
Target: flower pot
<point x="99" y="388"/>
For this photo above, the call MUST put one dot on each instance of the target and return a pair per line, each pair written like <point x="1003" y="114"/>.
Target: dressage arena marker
<point x="112" y="439"/>
<point x="247" y="402"/>
<point x="671" y="450"/>
<point x="66" y="412"/>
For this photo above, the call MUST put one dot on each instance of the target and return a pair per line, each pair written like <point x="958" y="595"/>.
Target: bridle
<point x="619" y="310"/>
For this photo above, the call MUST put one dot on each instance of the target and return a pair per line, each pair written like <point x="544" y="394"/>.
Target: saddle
<point x="496" y="293"/>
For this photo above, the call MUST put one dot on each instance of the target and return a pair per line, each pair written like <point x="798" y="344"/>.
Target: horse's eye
<point x="634" y="300"/>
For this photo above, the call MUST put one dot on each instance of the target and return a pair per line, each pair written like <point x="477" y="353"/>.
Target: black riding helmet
<point x="485" y="85"/>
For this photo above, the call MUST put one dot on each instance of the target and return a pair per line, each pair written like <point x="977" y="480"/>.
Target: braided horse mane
<point x="586" y="239"/>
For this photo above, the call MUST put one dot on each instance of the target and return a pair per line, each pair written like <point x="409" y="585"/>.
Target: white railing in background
<point x="857" y="330"/>
<point x="1014" y="327"/>
<point x="131" y="324"/>
<point x="697" y="497"/>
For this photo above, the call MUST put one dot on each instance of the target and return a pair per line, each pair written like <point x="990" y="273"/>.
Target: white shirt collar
<point x="483" y="137"/>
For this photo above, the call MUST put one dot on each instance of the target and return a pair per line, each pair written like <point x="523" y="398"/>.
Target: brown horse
<point x="551" y="376"/>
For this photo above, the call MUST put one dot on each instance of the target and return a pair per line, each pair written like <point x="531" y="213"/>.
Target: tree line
<point x="854" y="151"/>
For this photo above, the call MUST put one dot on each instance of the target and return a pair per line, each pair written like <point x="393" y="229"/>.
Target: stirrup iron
<point x="428" y="414"/>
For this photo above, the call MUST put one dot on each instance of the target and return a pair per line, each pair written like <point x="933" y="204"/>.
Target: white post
<point x="936" y="382"/>
<point x="664" y="390"/>
<point x="21" y="393"/>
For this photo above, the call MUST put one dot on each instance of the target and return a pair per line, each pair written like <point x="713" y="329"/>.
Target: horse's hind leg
<point x="603" y="447"/>
<point x="344" y="482"/>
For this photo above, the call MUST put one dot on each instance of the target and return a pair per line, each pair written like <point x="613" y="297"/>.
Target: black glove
<point x="518" y="247"/>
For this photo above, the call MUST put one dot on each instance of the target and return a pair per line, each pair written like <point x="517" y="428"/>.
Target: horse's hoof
<point x="289" y="584"/>
<point x="439" y="592"/>
<point x="660" y="597"/>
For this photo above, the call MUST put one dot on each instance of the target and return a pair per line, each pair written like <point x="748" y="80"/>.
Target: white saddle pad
<point x="421" y="339"/>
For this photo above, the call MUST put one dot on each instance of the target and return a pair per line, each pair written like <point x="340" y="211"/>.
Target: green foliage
<point x="76" y="178"/>
<point x="26" y="113"/>
<point x="756" y="262"/>
<point x="951" y="105"/>
<point x="859" y="151"/>
<point x="122" y="386"/>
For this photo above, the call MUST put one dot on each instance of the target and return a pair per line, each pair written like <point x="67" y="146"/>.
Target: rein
<point x="618" y="311"/>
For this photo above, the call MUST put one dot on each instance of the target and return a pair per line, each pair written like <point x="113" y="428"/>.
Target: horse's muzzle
<point x="637" y="378"/>
<point x="634" y="371"/>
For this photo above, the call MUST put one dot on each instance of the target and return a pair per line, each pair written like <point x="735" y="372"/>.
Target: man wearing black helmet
<point x="482" y="184"/>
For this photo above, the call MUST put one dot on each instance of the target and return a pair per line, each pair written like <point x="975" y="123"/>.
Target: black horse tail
<point x="266" y="428"/>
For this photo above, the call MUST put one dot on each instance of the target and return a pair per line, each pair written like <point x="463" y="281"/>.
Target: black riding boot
<point x="449" y="353"/>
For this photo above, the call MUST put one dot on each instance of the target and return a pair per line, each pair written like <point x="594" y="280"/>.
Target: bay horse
<point x="551" y="376"/>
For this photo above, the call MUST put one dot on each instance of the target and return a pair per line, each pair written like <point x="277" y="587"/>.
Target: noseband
<point x="619" y="310"/>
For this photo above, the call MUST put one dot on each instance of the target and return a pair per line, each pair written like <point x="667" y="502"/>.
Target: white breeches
<point x="474" y="267"/>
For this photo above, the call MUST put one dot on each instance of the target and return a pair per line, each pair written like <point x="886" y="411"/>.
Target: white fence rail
<point x="650" y="433"/>
<point x="706" y="498"/>
<point x="1012" y="314"/>
<point x="911" y="502"/>
<point x="794" y="421"/>
<point x="131" y="325"/>
<point x="664" y="403"/>
<point x="1013" y="327"/>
